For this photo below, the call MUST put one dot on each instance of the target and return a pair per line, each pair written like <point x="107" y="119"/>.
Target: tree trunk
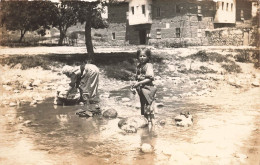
<point x="22" y="35"/>
<point x="88" y="41"/>
<point x="62" y="36"/>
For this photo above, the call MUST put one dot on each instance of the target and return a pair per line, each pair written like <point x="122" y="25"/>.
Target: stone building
<point x="170" y="22"/>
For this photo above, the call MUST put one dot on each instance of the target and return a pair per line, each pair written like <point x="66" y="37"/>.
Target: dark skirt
<point x="148" y="92"/>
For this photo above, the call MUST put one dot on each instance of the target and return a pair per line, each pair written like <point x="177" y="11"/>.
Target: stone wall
<point x="230" y="36"/>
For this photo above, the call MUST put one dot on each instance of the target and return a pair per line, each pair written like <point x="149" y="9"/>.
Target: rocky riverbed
<point x="220" y="93"/>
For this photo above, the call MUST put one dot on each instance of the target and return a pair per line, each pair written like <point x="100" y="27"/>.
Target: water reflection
<point x="59" y="131"/>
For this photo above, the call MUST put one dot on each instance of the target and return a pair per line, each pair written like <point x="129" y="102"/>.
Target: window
<point x="158" y="11"/>
<point x="143" y="9"/>
<point x="207" y="34"/>
<point x="113" y="36"/>
<point x="133" y="10"/>
<point x="178" y="32"/>
<point x="222" y="5"/>
<point x="158" y="34"/>
<point x="231" y="6"/>
<point x="227" y="7"/>
<point x="199" y="18"/>
<point x="242" y="14"/>
<point x="199" y="9"/>
<point x="167" y="25"/>
<point x="178" y="8"/>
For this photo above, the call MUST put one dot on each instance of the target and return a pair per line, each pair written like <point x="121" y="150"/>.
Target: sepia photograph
<point x="129" y="82"/>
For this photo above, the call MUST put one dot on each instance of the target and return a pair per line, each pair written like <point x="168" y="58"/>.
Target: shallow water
<point x="66" y="138"/>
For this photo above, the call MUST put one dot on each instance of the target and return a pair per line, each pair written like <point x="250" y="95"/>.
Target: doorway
<point x="142" y="37"/>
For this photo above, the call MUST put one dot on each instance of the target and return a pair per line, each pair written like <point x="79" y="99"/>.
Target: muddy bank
<point x="221" y="94"/>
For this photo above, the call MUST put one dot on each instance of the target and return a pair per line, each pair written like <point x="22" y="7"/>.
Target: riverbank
<point x="227" y="134"/>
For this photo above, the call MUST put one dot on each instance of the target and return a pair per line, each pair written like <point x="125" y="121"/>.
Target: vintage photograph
<point x="129" y="82"/>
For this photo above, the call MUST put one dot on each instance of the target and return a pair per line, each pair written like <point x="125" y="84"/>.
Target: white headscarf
<point x="69" y="69"/>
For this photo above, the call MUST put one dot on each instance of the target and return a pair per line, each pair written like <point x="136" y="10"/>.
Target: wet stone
<point x="125" y="99"/>
<point x="146" y="148"/>
<point x="110" y="113"/>
<point x="84" y="113"/>
<point x="256" y="83"/>
<point x="12" y="104"/>
<point x="130" y="124"/>
<point x="184" y="119"/>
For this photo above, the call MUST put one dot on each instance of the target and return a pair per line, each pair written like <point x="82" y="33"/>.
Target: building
<point x="171" y="22"/>
<point x="225" y="15"/>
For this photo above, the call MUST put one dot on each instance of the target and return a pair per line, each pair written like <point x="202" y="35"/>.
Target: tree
<point x="89" y="12"/>
<point x="26" y="16"/>
<point x="64" y="18"/>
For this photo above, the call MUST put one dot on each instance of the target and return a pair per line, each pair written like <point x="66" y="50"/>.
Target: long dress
<point x="86" y="78"/>
<point x="146" y="91"/>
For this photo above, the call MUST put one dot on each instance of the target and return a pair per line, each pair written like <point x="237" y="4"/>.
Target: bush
<point x="232" y="68"/>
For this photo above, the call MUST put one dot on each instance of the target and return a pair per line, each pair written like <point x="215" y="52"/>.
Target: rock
<point x="38" y="98"/>
<point x="7" y="87"/>
<point x="255" y="83"/>
<point x="27" y="123"/>
<point x="146" y="148"/>
<point x="162" y="122"/>
<point x="16" y="91"/>
<point x="57" y="101"/>
<point x="20" y="118"/>
<point x="240" y="156"/>
<point x="157" y="78"/>
<point x="125" y="99"/>
<point x="84" y="113"/>
<point x="110" y="113"/>
<point x="184" y="120"/>
<point x="131" y="124"/>
<point x="12" y="104"/>
<point x="29" y="88"/>
<point x="26" y="84"/>
<point x="34" y="102"/>
<point x="36" y="83"/>
<point x="105" y="95"/>
<point x="159" y="105"/>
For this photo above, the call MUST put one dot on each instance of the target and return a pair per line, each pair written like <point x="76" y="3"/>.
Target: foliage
<point x="26" y="15"/>
<point x="90" y="14"/>
<point x="232" y="67"/>
<point x="64" y="18"/>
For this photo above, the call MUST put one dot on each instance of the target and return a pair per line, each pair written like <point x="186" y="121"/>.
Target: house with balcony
<point x="225" y="14"/>
<point x="179" y="21"/>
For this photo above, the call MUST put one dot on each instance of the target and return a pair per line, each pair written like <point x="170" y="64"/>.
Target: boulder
<point x="110" y="113"/>
<point x="146" y="148"/>
<point x="131" y="124"/>
<point x="184" y="119"/>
